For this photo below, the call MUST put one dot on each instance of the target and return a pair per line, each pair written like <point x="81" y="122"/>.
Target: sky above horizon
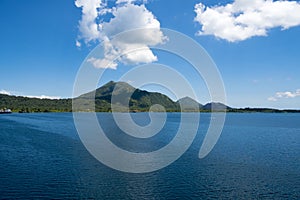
<point x="255" y="44"/>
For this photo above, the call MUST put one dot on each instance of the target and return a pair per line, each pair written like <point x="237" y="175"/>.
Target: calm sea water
<point x="256" y="157"/>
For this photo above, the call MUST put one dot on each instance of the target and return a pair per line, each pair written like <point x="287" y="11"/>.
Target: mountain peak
<point x="186" y="98"/>
<point x="189" y="104"/>
<point x="215" y="106"/>
<point x="124" y="93"/>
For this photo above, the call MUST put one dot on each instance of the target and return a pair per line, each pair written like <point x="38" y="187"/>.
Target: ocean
<point x="256" y="157"/>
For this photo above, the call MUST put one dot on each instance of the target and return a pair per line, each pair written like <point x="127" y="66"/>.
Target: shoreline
<point x="201" y="111"/>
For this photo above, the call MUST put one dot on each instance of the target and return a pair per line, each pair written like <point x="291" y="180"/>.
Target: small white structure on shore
<point x="2" y="111"/>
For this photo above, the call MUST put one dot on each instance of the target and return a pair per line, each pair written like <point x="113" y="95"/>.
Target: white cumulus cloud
<point x="102" y="63"/>
<point x="244" y="19"/>
<point x="287" y="94"/>
<point x="124" y="16"/>
<point x="87" y="25"/>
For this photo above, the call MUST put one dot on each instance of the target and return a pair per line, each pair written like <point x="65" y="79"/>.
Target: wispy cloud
<point x="288" y="94"/>
<point x="272" y="99"/>
<point x="43" y="97"/>
<point x="5" y="92"/>
<point x="130" y="1"/>
<point x="29" y="96"/>
<point x="78" y="44"/>
<point x="244" y="19"/>
<point x="123" y="16"/>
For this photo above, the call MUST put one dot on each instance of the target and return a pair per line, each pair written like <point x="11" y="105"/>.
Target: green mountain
<point x="123" y="95"/>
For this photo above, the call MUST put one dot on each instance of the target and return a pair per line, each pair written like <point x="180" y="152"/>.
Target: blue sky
<point x="260" y="65"/>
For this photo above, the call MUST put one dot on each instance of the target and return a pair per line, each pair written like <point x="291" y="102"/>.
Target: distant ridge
<point x="189" y="105"/>
<point x="100" y="99"/>
<point x="216" y="106"/>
